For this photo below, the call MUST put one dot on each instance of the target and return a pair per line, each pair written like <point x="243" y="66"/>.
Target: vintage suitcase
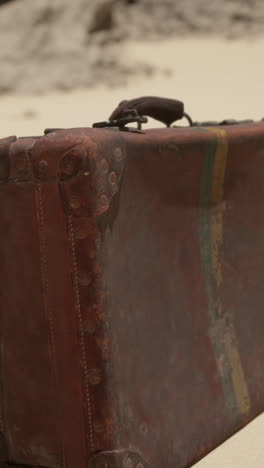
<point x="132" y="266"/>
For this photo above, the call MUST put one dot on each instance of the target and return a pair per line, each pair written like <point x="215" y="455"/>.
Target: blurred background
<point x="68" y="63"/>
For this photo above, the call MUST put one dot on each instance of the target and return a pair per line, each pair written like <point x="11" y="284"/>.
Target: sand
<point x="50" y="45"/>
<point x="215" y="78"/>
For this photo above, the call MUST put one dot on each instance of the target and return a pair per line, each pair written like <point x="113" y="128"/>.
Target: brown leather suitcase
<point x="132" y="266"/>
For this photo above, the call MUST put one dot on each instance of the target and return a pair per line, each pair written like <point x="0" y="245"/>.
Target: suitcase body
<point x="132" y="300"/>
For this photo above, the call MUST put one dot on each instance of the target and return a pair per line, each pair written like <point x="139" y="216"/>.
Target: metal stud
<point x="104" y="165"/>
<point x="43" y="166"/>
<point x="94" y="376"/>
<point x="104" y="200"/>
<point x="143" y="428"/>
<point x="112" y="178"/>
<point x="75" y="202"/>
<point x="118" y="154"/>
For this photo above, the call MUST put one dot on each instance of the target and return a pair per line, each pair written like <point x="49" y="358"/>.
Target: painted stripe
<point x="223" y="335"/>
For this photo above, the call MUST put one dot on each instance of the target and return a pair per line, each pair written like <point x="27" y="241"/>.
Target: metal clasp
<point x="132" y="116"/>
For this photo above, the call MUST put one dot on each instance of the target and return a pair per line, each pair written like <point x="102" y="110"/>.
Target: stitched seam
<point x="45" y="288"/>
<point x="28" y="158"/>
<point x="44" y="271"/>
<point x="81" y="326"/>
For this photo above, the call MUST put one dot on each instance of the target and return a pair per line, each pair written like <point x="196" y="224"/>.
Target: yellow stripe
<point x="225" y="324"/>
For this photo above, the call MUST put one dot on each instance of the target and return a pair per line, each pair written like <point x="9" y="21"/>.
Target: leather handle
<point x="164" y="110"/>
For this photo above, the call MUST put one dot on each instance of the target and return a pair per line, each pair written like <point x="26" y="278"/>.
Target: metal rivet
<point x="75" y="203"/>
<point x="85" y="279"/>
<point x="112" y="178"/>
<point x="104" y="200"/>
<point x="118" y="154"/>
<point x="104" y="165"/>
<point x="94" y="376"/>
<point x="127" y="462"/>
<point x="43" y="166"/>
<point x="98" y="426"/>
<point x="143" y="427"/>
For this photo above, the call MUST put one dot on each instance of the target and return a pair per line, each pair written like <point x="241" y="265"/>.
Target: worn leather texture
<point x="131" y="282"/>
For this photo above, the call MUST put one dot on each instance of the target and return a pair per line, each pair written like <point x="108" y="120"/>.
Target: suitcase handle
<point x="137" y="110"/>
<point x="164" y="110"/>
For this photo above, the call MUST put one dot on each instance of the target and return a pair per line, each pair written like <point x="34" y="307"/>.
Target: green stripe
<point x="207" y="270"/>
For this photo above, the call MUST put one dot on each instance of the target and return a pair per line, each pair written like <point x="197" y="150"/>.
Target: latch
<point x="129" y="116"/>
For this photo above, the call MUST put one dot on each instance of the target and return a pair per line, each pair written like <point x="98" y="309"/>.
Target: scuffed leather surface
<point x="106" y="336"/>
